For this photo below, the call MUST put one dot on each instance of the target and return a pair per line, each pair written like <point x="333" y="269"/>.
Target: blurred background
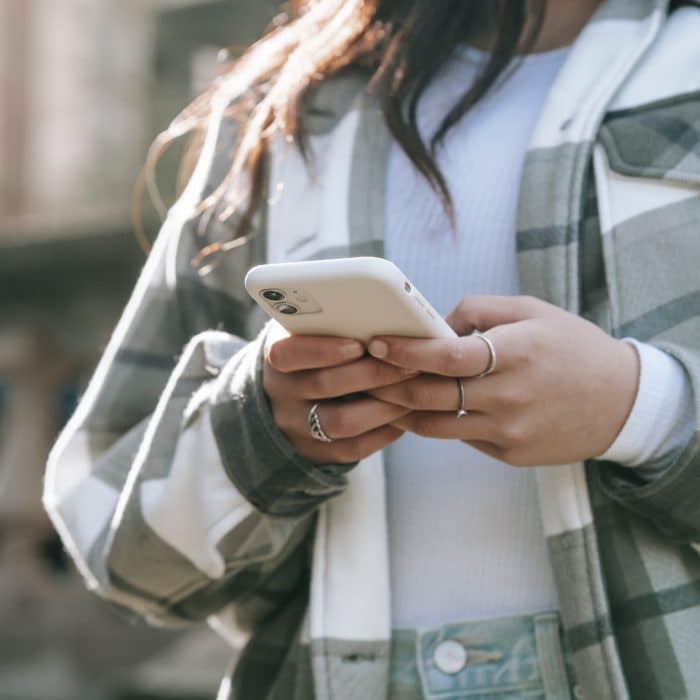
<point x="86" y="84"/>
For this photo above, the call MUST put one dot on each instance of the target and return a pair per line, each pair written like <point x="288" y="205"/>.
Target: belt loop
<point x="551" y="656"/>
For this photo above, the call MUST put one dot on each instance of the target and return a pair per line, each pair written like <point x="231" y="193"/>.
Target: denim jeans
<point x="504" y="658"/>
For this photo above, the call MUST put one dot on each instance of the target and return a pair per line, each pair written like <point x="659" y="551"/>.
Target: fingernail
<point x="378" y="348"/>
<point x="350" y="350"/>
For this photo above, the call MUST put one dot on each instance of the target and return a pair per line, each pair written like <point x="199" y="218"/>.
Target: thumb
<point x="484" y="312"/>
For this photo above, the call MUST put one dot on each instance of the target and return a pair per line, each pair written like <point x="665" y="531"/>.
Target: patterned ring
<point x="315" y="426"/>
<point x="492" y="353"/>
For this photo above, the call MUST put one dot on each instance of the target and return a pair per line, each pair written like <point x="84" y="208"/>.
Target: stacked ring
<point x="461" y="411"/>
<point x="490" y="367"/>
<point x="315" y="426"/>
<point x="492" y="356"/>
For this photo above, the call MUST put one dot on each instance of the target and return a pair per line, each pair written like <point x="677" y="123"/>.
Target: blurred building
<point x="86" y="84"/>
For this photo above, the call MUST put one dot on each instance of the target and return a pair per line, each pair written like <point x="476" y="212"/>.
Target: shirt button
<point x="450" y="656"/>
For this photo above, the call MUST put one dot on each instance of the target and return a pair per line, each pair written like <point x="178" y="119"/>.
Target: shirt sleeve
<point x="171" y="486"/>
<point x="662" y="418"/>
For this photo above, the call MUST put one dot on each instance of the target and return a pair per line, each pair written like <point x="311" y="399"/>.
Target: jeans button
<point x="450" y="656"/>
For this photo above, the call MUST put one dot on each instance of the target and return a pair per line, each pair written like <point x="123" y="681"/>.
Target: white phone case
<point x="349" y="297"/>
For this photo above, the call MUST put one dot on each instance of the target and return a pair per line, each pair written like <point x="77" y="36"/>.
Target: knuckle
<point x="453" y="360"/>
<point x="275" y="355"/>
<point x="503" y="398"/>
<point x="514" y="433"/>
<point x="523" y="352"/>
<point x="515" y="396"/>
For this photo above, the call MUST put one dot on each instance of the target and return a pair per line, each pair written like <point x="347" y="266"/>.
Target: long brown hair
<point x="399" y="44"/>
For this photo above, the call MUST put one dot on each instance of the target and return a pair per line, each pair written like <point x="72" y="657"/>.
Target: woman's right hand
<point x="300" y="371"/>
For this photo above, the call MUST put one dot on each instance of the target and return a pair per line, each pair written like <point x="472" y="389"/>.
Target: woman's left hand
<point x="560" y="392"/>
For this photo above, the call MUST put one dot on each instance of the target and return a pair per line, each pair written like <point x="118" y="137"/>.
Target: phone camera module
<point x="273" y="295"/>
<point x="288" y="309"/>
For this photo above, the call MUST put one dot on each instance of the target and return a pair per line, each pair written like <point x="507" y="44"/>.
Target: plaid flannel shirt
<point x="178" y="496"/>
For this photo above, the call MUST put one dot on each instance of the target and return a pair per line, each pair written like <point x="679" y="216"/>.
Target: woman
<point x="404" y="556"/>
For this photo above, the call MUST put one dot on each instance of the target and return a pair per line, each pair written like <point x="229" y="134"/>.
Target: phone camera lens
<point x="288" y="309"/>
<point x="273" y="294"/>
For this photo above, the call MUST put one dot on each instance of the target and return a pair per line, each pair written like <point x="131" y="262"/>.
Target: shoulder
<point x="647" y="172"/>
<point x="669" y="67"/>
<point x="322" y="108"/>
<point x="652" y="127"/>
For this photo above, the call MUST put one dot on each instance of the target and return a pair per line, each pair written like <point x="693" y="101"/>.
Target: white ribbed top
<point x="465" y="535"/>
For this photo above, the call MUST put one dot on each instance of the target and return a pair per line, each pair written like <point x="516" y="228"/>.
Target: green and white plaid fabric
<point x="178" y="496"/>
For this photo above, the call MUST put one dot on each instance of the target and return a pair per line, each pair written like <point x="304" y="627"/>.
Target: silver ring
<point x="315" y="426"/>
<point x="461" y="411"/>
<point x="492" y="356"/>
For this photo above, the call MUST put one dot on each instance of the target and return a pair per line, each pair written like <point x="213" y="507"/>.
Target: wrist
<point x="662" y="418"/>
<point x="624" y="385"/>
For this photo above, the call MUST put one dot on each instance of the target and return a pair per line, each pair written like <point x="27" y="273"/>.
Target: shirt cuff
<point x="662" y="417"/>
<point x="257" y="456"/>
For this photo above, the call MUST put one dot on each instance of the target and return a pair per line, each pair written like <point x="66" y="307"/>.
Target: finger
<point x="500" y="395"/>
<point x="434" y="424"/>
<point x="354" y="418"/>
<point x="454" y="357"/>
<point x="339" y="419"/>
<point x="488" y="448"/>
<point x="359" y="376"/>
<point x="348" y="450"/>
<point x="300" y="352"/>
<point x="484" y="312"/>
<point x="432" y="392"/>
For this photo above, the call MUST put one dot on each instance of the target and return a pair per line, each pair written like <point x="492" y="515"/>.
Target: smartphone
<point x="348" y="297"/>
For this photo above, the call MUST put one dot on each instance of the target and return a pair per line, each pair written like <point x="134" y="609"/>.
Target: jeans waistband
<point x="519" y="656"/>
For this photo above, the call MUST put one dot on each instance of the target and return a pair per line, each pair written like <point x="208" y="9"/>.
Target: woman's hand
<point x="301" y="370"/>
<point x="561" y="391"/>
